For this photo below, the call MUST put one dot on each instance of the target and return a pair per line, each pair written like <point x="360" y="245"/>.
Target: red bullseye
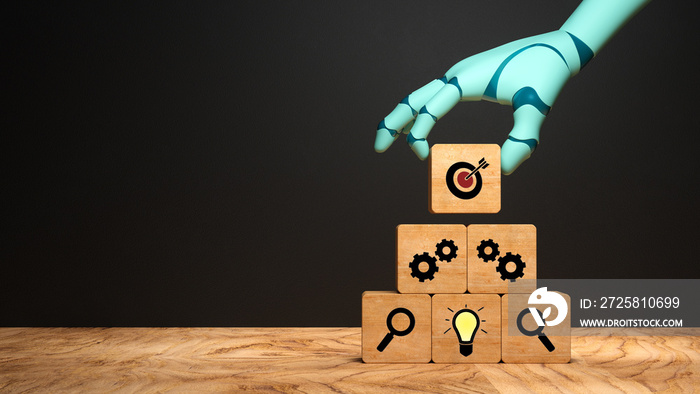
<point x="463" y="181"/>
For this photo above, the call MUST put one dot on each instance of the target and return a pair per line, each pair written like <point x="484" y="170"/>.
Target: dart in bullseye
<point x="464" y="180"/>
<point x="482" y="164"/>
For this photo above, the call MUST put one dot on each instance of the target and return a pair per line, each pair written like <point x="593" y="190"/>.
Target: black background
<point x="211" y="163"/>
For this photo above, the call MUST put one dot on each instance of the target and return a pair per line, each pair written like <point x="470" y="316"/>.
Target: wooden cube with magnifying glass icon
<point x="395" y="327"/>
<point x="524" y="341"/>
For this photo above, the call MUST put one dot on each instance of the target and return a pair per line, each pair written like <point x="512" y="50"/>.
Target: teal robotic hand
<point x="527" y="74"/>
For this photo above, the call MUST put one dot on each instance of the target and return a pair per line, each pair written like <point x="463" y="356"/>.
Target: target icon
<point x="464" y="180"/>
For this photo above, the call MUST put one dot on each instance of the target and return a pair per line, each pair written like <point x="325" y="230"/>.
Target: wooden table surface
<point x="317" y="360"/>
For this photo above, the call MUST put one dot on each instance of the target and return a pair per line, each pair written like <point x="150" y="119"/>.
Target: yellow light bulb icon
<point x="465" y="323"/>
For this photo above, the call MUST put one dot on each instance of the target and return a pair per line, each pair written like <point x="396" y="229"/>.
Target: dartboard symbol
<point x="464" y="180"/>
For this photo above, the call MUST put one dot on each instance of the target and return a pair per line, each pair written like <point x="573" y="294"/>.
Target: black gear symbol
<point x="446" y="256"/>
<point x="415" y="267"/>
<point x="516" y="273"/>
<point x="488" y="244"/>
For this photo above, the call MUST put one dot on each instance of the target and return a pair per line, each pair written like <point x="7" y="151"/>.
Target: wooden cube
<point x="431" y="258"/>
<point x="525" y="345"/>
<point x="395" y="327"/>
<point x="454" y="318"/>
<point x="465" y="178"/>
<point x="502" y="258"/>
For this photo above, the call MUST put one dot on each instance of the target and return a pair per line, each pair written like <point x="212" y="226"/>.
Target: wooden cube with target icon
<point x="395" y="327"/>
<point x="465" y="178"/>
<point x="431" y="258"/>
<point x="502" y="258"/>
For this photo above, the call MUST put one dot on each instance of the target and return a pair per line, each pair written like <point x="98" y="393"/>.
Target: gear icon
<point x="423" y="275"/>
<point x="447" y="257"/>
<point x="482" y="248"/>
<point x="516" y="273"/>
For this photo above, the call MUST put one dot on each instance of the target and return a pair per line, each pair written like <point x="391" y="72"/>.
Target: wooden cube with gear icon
<point x="528" y="339"/>
<point x="501" y="258"/>
<point x="466" y="328"/>
<point x="431" y="258"/>
<point x="465" y="178"/>
<point x="395" y="327"/>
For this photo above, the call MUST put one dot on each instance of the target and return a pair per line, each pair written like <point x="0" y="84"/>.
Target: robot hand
<point x="527" y="74"/>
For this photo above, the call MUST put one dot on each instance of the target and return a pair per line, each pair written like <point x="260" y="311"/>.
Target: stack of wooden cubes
<point x="460" y="288"/>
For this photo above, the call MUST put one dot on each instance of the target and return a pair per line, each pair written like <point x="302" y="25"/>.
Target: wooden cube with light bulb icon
<point x="466" y="328"/>
<point x="395" y="327"/>
<point x="527" y="339"/>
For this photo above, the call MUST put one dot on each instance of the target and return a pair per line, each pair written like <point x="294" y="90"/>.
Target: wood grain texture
<point x="317" y="360"/>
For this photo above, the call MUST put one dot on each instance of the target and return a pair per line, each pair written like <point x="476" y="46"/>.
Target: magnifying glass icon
<point x="393" y="331"/>
<point x="538" y="331"/>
